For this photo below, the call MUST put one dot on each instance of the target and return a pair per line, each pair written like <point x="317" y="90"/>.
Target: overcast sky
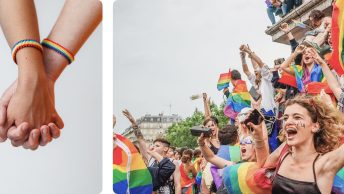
<point x="167" y="50"/>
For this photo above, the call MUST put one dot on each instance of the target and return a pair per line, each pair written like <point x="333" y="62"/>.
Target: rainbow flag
<point x="239" y="179"/>
<point x="130" y="174"/>
<point x="316" y="75"/>
<point x="338" y="183"/>
<point x="227" y="152"/>
<point x="337" y="35"/>
<point x="316" y="87"/>
<point x="224" y="80"/>
<point x="237" y="100"/>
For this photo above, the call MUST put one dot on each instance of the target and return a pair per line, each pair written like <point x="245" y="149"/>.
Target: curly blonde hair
<point x="331" y="122"/>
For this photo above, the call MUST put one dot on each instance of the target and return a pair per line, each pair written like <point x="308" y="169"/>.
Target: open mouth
<point x="291" y="132"/>
<point x="243" y="150"/>
<point x="307" y="58"/>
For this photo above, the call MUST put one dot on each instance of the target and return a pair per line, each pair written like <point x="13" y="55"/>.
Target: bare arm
<point x="244" y="64"/>
<point x="334" y="86"/>
<point x="334" y="160"/>
<point x="210" y="156"/>
<point x="286" y="64"/>
<point x="76" y="22"/>
<point x="207" y="112"/>
<point x="140" y="139"/>
<point x="176" y="179"/>
<point x="272" y="159"/>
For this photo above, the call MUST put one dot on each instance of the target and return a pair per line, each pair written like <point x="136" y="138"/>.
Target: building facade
<point x="152" y="126"/>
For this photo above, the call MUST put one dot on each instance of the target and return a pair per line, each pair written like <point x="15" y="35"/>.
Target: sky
<point x="167" y="50"/>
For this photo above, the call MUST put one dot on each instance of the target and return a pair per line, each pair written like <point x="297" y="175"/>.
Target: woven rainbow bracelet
<point x="25" y="43"/>
<point x="59" y="49"/>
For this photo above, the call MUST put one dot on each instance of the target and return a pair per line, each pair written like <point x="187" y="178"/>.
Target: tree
<point x="179" y="134"/>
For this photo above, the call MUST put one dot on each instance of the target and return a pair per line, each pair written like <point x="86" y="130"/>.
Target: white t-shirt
<point x="265" y="89"/>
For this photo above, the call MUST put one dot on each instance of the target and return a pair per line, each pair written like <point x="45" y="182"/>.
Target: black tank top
<point x="284" y="185"/>
<point x="213" y="148"/>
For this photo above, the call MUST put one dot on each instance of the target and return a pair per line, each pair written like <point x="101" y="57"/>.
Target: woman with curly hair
<point x="313" y="135"/>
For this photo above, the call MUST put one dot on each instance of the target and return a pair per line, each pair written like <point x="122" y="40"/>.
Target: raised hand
<point x="284" y="27"/>
<point x="127" y="114"/>
<point x="300" y="49"/>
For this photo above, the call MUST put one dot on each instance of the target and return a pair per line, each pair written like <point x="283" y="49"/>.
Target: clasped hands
<point x="28" y="116"/>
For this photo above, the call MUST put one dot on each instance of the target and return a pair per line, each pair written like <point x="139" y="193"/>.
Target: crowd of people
<point x="289" y="139"/>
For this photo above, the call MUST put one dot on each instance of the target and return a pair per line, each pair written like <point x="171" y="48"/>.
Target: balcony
<point x="300" y="14"/>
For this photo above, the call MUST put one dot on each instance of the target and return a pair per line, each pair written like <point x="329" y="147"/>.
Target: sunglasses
<point x="246" y="141"/>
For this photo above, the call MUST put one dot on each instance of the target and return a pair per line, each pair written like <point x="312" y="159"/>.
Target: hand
<point x="326" y="98"/>
<point x="316" y="57"/>
<point x="201" y="140"/>
<point x="21" y="134"/>
<point x="257" y="131"/>
<point x="300" y="49"/>
<point x="245" y="48"/>
<point x="127" y="114"/>
<point x="284" y="28"/>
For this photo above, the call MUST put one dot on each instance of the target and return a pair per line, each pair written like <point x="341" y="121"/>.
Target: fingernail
<point x="34" y="135"/>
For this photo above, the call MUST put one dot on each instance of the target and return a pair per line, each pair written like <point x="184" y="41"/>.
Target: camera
<point x="198" y="130"/>
<point x="255" y="117"/>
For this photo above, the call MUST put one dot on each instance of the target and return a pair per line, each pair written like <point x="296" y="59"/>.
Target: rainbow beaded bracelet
<point x="25" y="43"/>
<point x="59" y="49"/>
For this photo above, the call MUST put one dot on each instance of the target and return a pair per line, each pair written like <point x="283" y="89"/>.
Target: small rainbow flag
<point x="224" y="80"/>
<point x="237" y="100"/>
<point x="316" y="87"/>
<point x="316" y="75"/>
<point x="227" y="152"/>
<point x="337" y="35"/>
<point x="130" y="174"/>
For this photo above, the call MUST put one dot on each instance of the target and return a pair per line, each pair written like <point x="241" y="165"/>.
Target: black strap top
<point x="284" y="185"/>
<point x="213" y="148"/>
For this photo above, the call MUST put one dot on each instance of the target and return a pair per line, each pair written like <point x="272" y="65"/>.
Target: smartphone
<point x="255" y="117"/>
<point x="198" y="130"/>
<point x="253" y="92"/>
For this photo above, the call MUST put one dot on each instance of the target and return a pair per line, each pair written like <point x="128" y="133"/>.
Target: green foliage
<point x="179" y="134"/>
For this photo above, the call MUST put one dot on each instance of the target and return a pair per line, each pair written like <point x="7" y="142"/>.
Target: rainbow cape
<point x="337" y="35"/>
<point x="237" y="100"/>
<point x="224" y="80"/>
<point x="227" y="152"/>
<point x="130" y="174"/>
<point x="316" y="75"/>
<point x="239" y="179"/>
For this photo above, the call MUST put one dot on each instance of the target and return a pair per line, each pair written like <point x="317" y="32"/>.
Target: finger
<point x="3" y="130"/>
<point x="33" y="141"/>
<point x="19" y="133"/>
<point x="17" y="143"/>
<point x="58" y="121"/>
<point x="45" y="135"/>
<point x="54" y="130"/>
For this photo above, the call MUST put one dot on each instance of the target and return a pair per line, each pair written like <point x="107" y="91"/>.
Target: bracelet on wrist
<point x="69" y="56"/>
<point x="23" y="44"/>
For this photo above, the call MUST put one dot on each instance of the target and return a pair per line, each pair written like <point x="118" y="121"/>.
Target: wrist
<point x="54" y="64"/>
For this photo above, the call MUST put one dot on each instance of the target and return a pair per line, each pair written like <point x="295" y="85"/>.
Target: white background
<point x="72" y="163"/>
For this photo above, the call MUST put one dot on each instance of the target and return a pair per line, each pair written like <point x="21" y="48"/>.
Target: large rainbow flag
<point x="316" y="75"/>
<point x="227" y="152"/>
<point x="337" y="35"/>
<point x="338" y="182"/>
<point x="224" y="80"/>
<point x="237" y="100"/>
<point x="242" y="179"/>
<point x="130" y="174"/>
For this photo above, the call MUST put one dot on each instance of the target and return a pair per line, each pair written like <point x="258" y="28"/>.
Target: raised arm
<point x="207" y="112"/>
<point x="138" y="134"/>
<point x="286" y="64"/>
<point x="244" y="64"/>
<point x="331" y="79"/>
<point x="210" y="156"/>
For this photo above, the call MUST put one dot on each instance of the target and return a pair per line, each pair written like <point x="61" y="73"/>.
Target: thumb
<point x="58" y="120"/>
